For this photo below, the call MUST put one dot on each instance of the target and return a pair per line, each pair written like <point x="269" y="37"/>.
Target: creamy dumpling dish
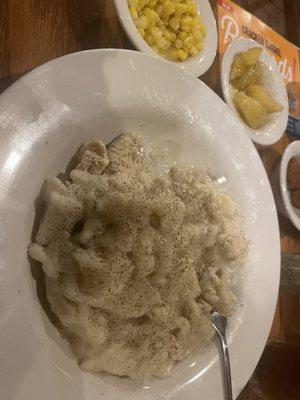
<point x="135" y="260"/>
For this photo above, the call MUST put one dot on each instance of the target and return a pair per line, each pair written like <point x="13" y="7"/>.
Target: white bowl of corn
<point x="182" y="32"/>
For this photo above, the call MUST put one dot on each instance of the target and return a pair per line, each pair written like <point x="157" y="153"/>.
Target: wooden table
<point x="33" y="32"/>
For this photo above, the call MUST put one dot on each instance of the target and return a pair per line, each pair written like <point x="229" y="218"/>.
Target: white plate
<point x="197" y="65"/>
<point x="274" y="127"/>
<point x="44" y="117"/>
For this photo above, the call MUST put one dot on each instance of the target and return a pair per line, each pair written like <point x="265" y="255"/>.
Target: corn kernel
<point x="160" y="23"/>
<point x="150" y="40"/>
<point x="192" y="9"/>
<point x="197" y="35"/>
<point x="199" y="45"/>
<point x="178" y="43"/>
<point x="186" y="28"/>
<point x="151" y="15"/>
<point x="167" y="44"/>
<point x="181" y="54"/>
<point x="133" y="12"/>
<point x="180" y="8"/>
<point x="142" y="22"/>
<point x="156" y="33"/>
<point x="196" y="21"/>
<point x="173" y="37"/>
<point x="186" y="49"/>
<point x="159" y="9"/>
<point x="142" y="3"/>
<point x="168" y="8"/>
<point x="186" y="20"/>
<point x="183" y="35"/>
<point x="196" y="27"/>
<point x="203" y="29"/>
<point x="174" y="23"/>
<point x="194" y="51"/>
<point x="167" y="34"/>
<point x="189" y="41"/>
<point x="160" y="42"/>
<point x="142" y="32"/>
<point x="173" y="54"/>
<point x="133" y="3"/>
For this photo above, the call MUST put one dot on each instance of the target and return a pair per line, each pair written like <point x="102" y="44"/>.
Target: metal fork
<point x="219" y="322"/>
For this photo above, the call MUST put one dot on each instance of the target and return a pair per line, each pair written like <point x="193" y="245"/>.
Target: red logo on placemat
<point x="225" y="5"/>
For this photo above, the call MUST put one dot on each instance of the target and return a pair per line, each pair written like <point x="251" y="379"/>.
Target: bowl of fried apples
<point x="254" y="89"/>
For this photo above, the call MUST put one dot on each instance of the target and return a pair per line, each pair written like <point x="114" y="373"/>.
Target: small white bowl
<point x="197" y="65"/>
<point x="293" y="213"/>
<point x="274" y="126"/>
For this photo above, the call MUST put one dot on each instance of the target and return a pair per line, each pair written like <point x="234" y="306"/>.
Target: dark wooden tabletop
<point x="33" y="32"/>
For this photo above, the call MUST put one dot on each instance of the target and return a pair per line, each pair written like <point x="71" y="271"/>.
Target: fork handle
<point x="226" y="372"/>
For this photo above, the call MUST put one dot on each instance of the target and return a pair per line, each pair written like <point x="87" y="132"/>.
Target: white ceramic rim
<point x="281" y="118"/>
<point x="292" y="150"/>
<point x="197" y="65"/>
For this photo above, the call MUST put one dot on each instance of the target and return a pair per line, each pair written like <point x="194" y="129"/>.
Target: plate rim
<point x="39" y="70"/>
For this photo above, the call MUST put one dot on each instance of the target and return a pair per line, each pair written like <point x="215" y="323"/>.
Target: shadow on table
<point x="277" y="374"/>
<point x="287" y="228"/>
<point x="94" y="26"/>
